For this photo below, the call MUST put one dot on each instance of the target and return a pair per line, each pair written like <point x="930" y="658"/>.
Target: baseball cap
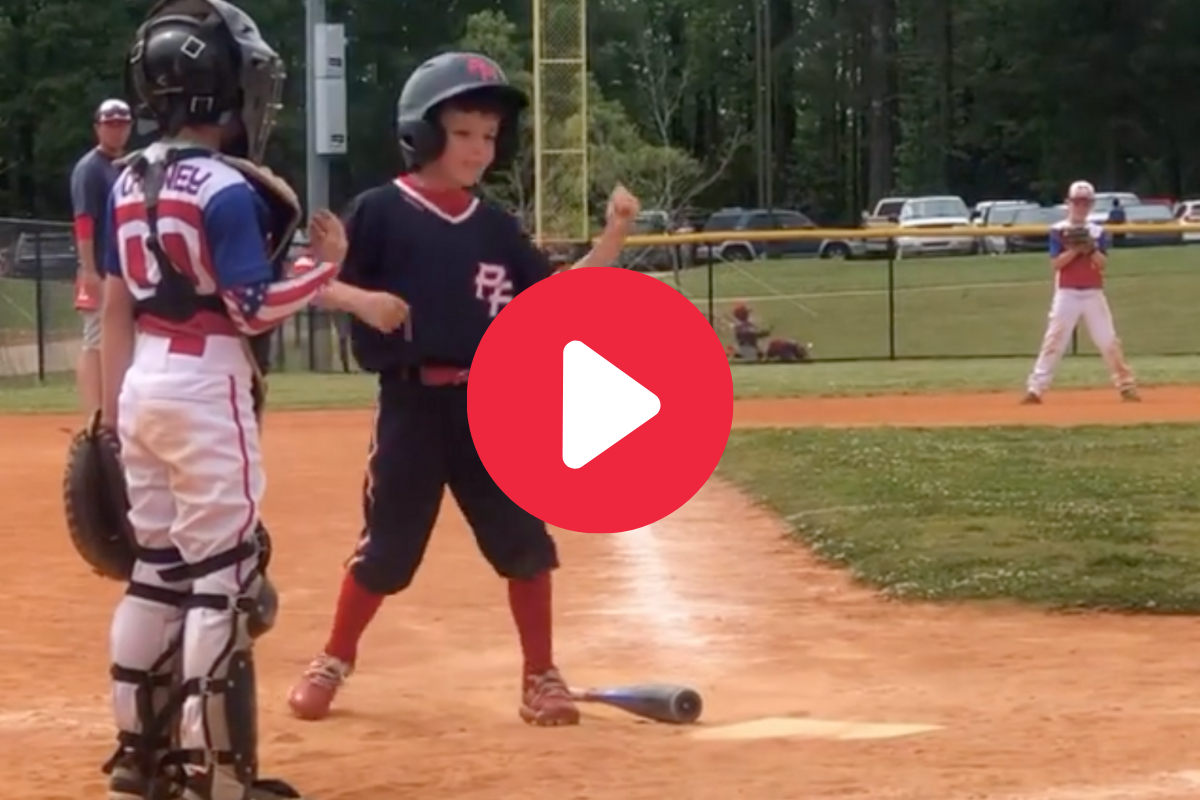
<point x="1081" y="190"/>
<point x="113" y="110"/>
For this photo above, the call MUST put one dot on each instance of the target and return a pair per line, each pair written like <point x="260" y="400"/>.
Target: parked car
<point x="996" y="216"/>
<point x="885" y="215"/>
<point x="1104" y="204"/>
<point x="980" y="211"/>
<point x="653" y="258"/>
<point x="1150" y="214"/>
<point x="46" y="254"/>
<point x="935" y="212"/>
<point x="1033" y="242"/>
<point x="1188" y="213"/>
<point x="735" y="220"/>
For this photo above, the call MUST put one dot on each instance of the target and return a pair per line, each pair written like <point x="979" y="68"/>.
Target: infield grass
<point x="1101" y="517"/>
<point x="948" y="307"/>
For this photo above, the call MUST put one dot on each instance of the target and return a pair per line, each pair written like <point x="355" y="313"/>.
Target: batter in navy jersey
<point x="457" y="260"/>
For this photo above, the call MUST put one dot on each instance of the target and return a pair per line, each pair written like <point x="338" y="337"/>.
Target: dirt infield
<point x="1027" y="706"/>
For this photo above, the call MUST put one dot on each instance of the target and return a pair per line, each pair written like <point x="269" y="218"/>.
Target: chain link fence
<point x="41" y="332"/>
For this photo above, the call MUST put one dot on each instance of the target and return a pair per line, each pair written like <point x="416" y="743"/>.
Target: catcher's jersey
<point x="1080" y="273"/>
<point x="212" y="225"/>
<point x="456" y="259"/>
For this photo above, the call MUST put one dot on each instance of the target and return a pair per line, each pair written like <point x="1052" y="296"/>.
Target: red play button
<point x="600" y="400"/>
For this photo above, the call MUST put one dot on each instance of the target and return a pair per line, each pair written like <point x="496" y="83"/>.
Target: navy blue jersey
<point x="457" y="267"/>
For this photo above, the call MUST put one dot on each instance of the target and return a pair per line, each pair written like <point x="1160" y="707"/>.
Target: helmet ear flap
<point x="421" y="142"/>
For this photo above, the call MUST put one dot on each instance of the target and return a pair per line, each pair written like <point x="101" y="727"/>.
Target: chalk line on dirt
<point x="651" y="596"/>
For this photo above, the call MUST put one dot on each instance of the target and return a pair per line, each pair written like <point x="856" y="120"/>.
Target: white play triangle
<point x="601" y="405"/>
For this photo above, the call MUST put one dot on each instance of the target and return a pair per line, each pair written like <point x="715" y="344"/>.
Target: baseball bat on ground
<point x="675" y="705"/>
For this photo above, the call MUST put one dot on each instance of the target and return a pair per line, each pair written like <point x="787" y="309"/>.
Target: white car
<point x="1188" y="212"/>
<point x="935" y="212"/>
<point x="1104" y="204"/>
<point x="980" y="211"/>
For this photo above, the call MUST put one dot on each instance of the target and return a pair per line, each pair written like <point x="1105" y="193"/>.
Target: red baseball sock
<point x="356" y="608"/>
<point x="531" y="604"/>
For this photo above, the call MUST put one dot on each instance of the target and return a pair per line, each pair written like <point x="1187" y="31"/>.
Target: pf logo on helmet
<point x="482" y="68"/>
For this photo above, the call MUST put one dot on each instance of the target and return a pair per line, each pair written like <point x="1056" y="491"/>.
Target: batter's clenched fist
<point x="623" y="207"/>
<point x="327" y="237"/>
<point x="382" y="311"/>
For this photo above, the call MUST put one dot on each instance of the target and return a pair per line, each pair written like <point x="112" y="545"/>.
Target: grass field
<point x="308" y="390"/>
<point x="19" y="310"/>
<point x="1095" y="517"/>
<point x="977" y="306"/>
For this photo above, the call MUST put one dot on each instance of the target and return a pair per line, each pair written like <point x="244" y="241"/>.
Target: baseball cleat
<point x="127" y="781"/>
<point x="546" y="701"/>
<point x="1130" y="395"/>
<point x="1031" y="399"/>
<point x="311" y="698"/>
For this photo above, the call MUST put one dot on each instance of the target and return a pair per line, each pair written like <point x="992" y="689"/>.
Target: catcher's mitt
<point x="96" y="503"/>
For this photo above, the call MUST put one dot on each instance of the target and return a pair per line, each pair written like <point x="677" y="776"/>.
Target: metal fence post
<point x="891" y="280"/>
<point x="712" y="313"/>
<point x="39" y="302"/>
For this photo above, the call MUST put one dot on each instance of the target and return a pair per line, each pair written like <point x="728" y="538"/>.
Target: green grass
<point x="308" y="390"/>
<point x="947" y="307"/>
<point x="1089" y="517"/>
<point x="19" y="310"/>
<point x="927" y="376"/>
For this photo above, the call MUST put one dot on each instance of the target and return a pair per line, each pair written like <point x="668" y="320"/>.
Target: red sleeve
<point x="85" y="227"/>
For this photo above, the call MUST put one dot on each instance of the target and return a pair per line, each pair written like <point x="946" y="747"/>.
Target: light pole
<point x="325" y="134"/>
<point x="325" y="100"/>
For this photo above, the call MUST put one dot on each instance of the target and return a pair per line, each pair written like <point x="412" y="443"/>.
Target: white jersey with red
<point x="1079" y="272"/>
<point x="189" y="435"/>
<point x="1078" y="294"/>
<point x="212" y="226"/>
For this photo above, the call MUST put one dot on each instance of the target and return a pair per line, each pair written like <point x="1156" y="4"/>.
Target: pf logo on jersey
<point x="493" y="287"/>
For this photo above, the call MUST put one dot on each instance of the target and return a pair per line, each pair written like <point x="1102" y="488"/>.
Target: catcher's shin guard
<point x="227" y="767"/>
<point x="140" y="767"/>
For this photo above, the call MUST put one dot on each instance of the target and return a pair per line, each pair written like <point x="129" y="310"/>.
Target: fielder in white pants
<point x="1078" y="262"/>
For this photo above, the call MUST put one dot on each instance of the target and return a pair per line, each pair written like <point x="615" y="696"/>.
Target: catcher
<point x="1078" y="256"/>
<point x="748" y="335"/>
<point x="192" y="290"/>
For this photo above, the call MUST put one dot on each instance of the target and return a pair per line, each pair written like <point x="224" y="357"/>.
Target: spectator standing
<point x="91" y="182"/>
<point x="1116" y="216"/>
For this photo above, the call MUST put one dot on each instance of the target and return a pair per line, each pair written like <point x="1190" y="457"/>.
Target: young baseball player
<point x="1078" y="255"/>
<point x="91" y="181"/>
<point x="194" y="241"/>
<point x="458" y="261"/>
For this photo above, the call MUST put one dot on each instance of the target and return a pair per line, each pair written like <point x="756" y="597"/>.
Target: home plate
<point x="806" y="728"/>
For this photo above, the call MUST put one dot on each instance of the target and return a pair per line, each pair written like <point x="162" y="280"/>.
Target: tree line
<point x="818" y="105"/>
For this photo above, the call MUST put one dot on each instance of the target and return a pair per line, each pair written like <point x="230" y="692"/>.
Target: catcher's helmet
<point x="204" y="62"/>
<point x="454" y="76"/>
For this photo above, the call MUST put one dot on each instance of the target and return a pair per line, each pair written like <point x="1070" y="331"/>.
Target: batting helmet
<point x="466" y="77"/>
<point x="204" y="62"/>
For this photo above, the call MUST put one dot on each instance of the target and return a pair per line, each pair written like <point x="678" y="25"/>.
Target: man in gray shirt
<point x="91" y="181"/>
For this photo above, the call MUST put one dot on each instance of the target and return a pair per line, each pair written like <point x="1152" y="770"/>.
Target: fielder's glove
<point x="96" y="502"/>
<point x="1079" y="237"/>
